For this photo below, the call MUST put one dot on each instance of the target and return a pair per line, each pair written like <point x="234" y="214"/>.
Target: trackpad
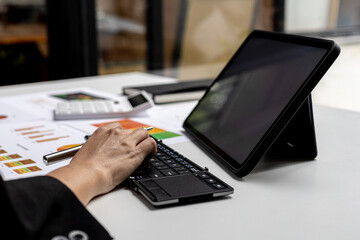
<point x="180" y="186"/>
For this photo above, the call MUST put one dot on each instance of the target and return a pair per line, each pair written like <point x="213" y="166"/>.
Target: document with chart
<point x="23" y="145"/>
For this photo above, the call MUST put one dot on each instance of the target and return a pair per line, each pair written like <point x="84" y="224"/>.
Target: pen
<point x="63" y="154"/>
<point x="60" y="155"/>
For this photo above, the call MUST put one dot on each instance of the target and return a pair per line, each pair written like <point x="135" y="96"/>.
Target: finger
<point x="138" y="136"/>
<point x="147" y="148"/>
<point x="111" y="125"/>
<point x="108" y="128"/>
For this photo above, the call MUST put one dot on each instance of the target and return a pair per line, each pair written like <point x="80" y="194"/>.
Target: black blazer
<point x="42" y="208"/>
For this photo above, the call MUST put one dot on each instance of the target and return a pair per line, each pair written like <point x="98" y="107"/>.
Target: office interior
<point x="47" y="41"/>
<point x="182" y="39"/>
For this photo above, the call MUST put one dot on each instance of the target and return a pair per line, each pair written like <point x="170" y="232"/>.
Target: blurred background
<point x="43" y="40"/>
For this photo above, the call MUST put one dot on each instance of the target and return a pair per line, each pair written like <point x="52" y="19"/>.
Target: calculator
<point x="100" y="108"/>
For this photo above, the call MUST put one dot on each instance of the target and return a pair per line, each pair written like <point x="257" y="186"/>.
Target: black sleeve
<point x="42" y="208"/>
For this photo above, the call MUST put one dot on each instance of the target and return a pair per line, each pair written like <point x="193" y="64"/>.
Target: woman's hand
<point x="109" y="156"/>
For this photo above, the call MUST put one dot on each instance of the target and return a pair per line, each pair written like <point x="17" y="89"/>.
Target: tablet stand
<point x="297" y="140"/>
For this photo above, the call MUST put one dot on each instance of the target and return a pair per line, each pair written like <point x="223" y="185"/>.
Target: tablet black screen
<point x="250" y="93"/>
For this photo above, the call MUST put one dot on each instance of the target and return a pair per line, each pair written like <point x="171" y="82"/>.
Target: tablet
<point x="256" y="95"/>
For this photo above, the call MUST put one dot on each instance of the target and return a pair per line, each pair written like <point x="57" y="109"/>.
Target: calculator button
<point x="88" y="110"/>
<point x="75" y="110"/>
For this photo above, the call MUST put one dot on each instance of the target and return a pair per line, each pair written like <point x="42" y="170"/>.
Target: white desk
<point x="279" y="200"/>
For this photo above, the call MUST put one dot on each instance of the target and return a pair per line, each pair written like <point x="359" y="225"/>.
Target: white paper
<point x="28" y="131"/>
<point x="33" y="140"/>
<point x="43" y="104"/>
<point x="11" y="114"/>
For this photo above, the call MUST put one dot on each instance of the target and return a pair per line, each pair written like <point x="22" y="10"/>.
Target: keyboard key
<point x="157" y="163"/>
<point x="218" y="186"/>
<point x="163" y="157"/>
<point x="210" y="180"/>
<point x="195" y="170"/>
<point x="169" y="161"/>
<point x="140" y="177"/>
<point x="160" y="154"/>
<point x="154" y="173"/>
<point x="162" y="167"/>
<point x="203" y="175"/>
<point x="174" y="165"/>
<point x="180" y="169"/>
<point x="168" y="172"/>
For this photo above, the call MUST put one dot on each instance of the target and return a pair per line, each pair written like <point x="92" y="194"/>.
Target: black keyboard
<point x="168" y="162"/>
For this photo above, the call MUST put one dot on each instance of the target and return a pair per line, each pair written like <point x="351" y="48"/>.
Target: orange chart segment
<point x="130" y="124"/>
<point x="67" y="147"/>
<point x="27" y="129"/>
<point x="51" y="139"/>
<point x="125" y="124"/>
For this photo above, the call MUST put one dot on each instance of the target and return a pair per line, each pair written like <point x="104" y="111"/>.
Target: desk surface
<point x="279" y="200"/>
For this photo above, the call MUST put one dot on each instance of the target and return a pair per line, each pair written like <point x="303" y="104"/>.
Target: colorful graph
<point x="156" y="133"/>
<point x="27" y="170"/>
<point x="41" y="133"/>
<point x="76" y="96"/>
<point x="27" y="128"/>
<point x="67" y="146"/>
<point x="37" y="131"/>
<point x="2" y="151"/>
<point x="9" y="157"/>
<point x="40" y="136"/>
<point x="51" y="139"/>
<point x="19" y="163"/>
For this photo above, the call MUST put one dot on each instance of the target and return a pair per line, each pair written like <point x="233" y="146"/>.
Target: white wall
<point x="306" y="15"/>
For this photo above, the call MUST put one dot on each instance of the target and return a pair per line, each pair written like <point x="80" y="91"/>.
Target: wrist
<point x="85" y="183"/>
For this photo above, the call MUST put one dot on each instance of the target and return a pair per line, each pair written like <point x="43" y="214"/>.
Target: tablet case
<point x="293" y="134"/>
<point x="297" y="140"/>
